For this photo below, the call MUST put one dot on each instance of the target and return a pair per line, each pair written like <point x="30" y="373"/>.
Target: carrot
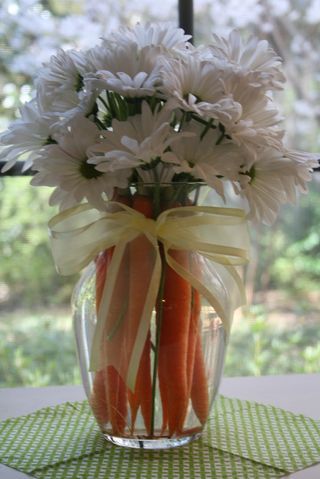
<point x="98" y="400"/>
<point x="115" y="388"/>
<point x="175" y="323"/>
<point x="193" y="333"/>
<point x="162" y="380"/>
<point x="117" y="400"/>
<point x="116" y="391"/>
<point x="102" y="262"/>
<point x="142" y="394"/>
<point x="199" y="388"/>
<point x="108" y="400"/>
<point x="140" y="269"/>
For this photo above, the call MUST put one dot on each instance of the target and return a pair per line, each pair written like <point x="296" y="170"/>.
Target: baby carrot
<point x="199" y="389"/>
<point x="162" y="383"/>
<point x="193" y="333"/>
<point x="142" y="394"/>
<point x="117" y="400"/>
<point x="115" y="388"/>
<point x="98" y="400"/>
<point x="141" y="264"/>
<point x="160" y="361"/>
<point x="102" y="262"/>
<point x="175" y="323"/>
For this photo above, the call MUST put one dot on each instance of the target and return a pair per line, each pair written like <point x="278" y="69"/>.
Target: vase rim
<point x="167" y="184"/>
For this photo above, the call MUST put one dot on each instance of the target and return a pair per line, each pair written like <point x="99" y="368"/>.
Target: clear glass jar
<point x="180" y="366"/>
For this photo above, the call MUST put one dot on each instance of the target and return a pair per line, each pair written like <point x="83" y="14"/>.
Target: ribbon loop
<point x="216" y="239"/>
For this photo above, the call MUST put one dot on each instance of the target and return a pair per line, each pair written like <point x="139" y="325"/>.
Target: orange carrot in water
<point x="102" y="261"/>
<point x="98" y="399"/>
<point x="116" y="391"/>
<point x="115" y="386"/>
<point x="175" y="323"/>
<point x="117" y="400"/>
<point x="162" y="379"/>
<point x="142" y="394"/>
<point x="161" y="366"/>
<point x="193" y="333"/>
<point x="109" y="397"/>
<point x="197" y="380"/>
<point x="199" y="388"/>
<point x="141" y="264"/>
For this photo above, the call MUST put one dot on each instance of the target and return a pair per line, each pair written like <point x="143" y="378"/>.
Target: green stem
<point x="196" y="196"/>
<point x="203" y="122"/>
<point x="206" y="128"/>
<point x="156" y="352"/>
<point x="182" y="120"/>
<point x="103" y="102"/>
<point x="156" y="196"/>
<point x="219" y="140"/>
<point x="99" y="123"/>
<point x="222" y="135"/>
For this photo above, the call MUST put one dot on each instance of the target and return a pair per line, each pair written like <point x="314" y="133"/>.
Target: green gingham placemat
<point x="243" y="440"/>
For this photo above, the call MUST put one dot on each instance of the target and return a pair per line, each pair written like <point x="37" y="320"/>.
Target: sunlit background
<point x="280" y="331"/>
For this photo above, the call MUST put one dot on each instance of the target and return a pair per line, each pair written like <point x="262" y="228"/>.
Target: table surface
<point x="298" y="393"/>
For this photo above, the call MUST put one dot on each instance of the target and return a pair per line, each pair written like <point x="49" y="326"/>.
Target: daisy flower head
<point x="60" y="85"/>
<point x="195" y="86"/>
<point x="136" y="142"/>
<point x="255" y="58"/>
<point x="152" y="34"/>
<point x="146" y="106"/>
<point x="274" y="180"/>
<point x="27" y="137"/>
<point x="201" y="156"/>
<point x="162" y="173"/>
<point x="65" y="167"/>
<point x="304" y="163"/>
<point x="259" y="122"/>
<point x="127" y="71"/>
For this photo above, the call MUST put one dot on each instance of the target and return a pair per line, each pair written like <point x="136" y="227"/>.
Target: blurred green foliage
<point x="259" y="347"/>
<point x="289" y="251"/>
<point x="279" y="333"/>
<point x="27" y="273"/>
<point x="37" y="349"/>
<point x="36" y="346"/>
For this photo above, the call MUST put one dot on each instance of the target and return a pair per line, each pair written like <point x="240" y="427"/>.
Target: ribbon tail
<point x="96" y="362"/>
<point x="144" y="323"/>
<point x="217" y="287"/>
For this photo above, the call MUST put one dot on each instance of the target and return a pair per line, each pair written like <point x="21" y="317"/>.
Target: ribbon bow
<point x="216" y="239"/>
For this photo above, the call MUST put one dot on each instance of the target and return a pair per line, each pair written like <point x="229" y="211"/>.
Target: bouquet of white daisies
<point x="147" y="106"/>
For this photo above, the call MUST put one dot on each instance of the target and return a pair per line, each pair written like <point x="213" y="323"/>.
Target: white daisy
<point x="65" y="167"/>
<point x="258" y="124"/>
<point x="60" y="85"/>
<point x="135" y="142"/>
<point x="255" y="58"/>
<point x="160" y="173"/>
<point x="204" y="159"/>
<point x="27" y="137"/>
<point x="152" y="34"/>
<point x="195" y="86"/>
<point x="304" y="164"/>
<point x="272" y="183"/>
<point x="128" y="71"/>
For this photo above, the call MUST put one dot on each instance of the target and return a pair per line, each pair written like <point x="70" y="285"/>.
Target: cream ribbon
<point x="216" y="239"/>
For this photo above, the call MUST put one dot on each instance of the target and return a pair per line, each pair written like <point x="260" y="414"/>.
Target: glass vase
<point x="170" y="395"/>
